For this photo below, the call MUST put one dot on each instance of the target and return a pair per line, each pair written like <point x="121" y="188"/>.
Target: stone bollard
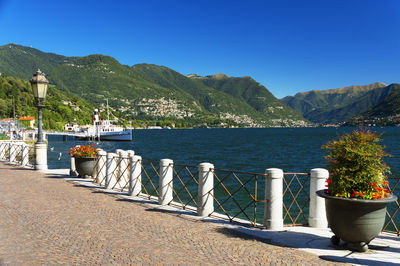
<point x="123" y="171"/>
<point x="273" y="214"/>
<point x="72" y="167"/>
<point x="135" y="175"/>
<point x="110" y="170"/>
<point x="165" y="182"/>
<point x="118" y="166"/>
<point x="101" y="167"/>
<point x="205" y="205"/>
<point x="41" y="156"/>
<point x="317" y="215"/>
<point x="24" y="154"/>
<point x="130" y="152"/>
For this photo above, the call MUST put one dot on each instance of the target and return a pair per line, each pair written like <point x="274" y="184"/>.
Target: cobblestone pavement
<point x="48" y="220"/>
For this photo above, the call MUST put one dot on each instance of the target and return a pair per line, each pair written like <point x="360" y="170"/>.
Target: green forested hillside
<point x="22" y="62"/>
<point x="248" y="90"/>
<point x="60" y="107"/>
<point x="385" y="113"/>
<point x="210" y="99"/>
<point x="337" y="105"/>
<point x="151" y="92"/>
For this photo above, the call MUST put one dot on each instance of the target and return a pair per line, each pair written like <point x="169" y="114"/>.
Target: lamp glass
<point x="35" y="90"/>
<point x="41" y="90"/>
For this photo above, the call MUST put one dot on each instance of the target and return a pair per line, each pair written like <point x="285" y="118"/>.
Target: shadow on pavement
<point x="172" y="211"/>
<point x="238" y="234"/>
<point x="143" y="201"/>
<point x="357" y="261"/>
<point x="17" y="169"/>
<point x="296" y="237"/>
<point x="302" y="240"/>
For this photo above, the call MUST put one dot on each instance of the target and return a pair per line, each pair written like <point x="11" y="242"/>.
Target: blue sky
<point x="287" y="46"/>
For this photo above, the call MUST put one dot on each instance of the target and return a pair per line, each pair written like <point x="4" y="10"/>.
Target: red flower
<point x="83" y="151"/>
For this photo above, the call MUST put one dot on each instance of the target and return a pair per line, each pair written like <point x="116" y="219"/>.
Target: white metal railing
<point x="16" y="152"/>
<point x="207" y="188"/>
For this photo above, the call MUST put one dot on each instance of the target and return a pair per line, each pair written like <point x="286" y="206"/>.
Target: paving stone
<point x="48" y="220"/>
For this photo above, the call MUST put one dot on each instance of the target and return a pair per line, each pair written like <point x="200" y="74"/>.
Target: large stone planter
<point x="84" y="166"/>
<point x="355" y="221"/>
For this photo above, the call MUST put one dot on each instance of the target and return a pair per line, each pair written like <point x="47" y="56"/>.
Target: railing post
<point x="273" y="215"/>
<point x="72" y="167"/>
<point x="110" y="169"/>
<point x="165" y="182"/>
<point x="21" y="149"/>
<point x="123" y="171"/>
<point x="117" y="173"/>
<point x="130" y="153"/>
<point x="101" y="167"/>
<point x="135" y="175"/>
<point x="317" y="215"/>
<point x="205" y="201"/>
<point x="13" y="152"/>
<point x="19" y="157"/>
<point x="3" y="146"/>
<point x="25" y="154"/>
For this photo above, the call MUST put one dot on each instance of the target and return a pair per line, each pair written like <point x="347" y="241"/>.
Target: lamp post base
<point x="41" y="156"/>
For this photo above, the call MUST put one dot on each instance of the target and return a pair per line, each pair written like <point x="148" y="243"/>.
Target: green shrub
<point x="356" y="166"/>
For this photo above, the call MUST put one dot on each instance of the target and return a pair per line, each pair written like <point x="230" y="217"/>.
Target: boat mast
<point x="108" y="115"/>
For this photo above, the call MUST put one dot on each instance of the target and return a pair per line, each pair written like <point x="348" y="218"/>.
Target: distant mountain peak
<point x="219" y="76"/>
<point x="348" y="89"/>
<point x="193" y="76"/>
<point x="337" y="105"/>
<point x="215" y="76"/>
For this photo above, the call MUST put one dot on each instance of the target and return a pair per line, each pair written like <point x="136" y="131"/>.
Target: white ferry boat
<point x="105" y="130"/>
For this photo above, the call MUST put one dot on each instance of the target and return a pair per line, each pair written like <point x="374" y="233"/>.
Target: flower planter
<point x="84" y="166"/>
<point x="355" y="221"/>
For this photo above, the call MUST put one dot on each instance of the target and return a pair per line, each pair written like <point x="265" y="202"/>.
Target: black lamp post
<point x="39" y="87"/>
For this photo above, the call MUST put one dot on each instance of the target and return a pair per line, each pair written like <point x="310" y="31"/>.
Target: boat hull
<point x="125" y="135"/>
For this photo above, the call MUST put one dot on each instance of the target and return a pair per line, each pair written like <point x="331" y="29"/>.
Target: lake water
<point x="243" y="149"/>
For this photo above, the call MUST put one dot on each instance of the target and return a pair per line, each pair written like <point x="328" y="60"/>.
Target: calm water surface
<point x="250" y="150"/>
<point x="244" y="149"/>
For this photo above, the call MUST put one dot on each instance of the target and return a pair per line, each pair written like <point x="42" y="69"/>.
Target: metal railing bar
<point x="184" y="187"/>
<point x="148" y="179"/>
<point x="121" y="173"/>
<point x="244" y="185"/>
<point x="240" y="172"/>
<point x="231" y="196"/>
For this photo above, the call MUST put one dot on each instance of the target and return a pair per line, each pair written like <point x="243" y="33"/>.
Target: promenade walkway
<point x="48" y="219"/>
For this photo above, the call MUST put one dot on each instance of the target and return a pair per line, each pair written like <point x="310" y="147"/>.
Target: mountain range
<point x="344" y="104"/>
<point x="154" y="92"/>
<point x="157" y="93"/>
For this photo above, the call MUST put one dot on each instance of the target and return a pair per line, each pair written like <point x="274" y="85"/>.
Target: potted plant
<point x="84" y="159"/>
<point x="357" y="190"/>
